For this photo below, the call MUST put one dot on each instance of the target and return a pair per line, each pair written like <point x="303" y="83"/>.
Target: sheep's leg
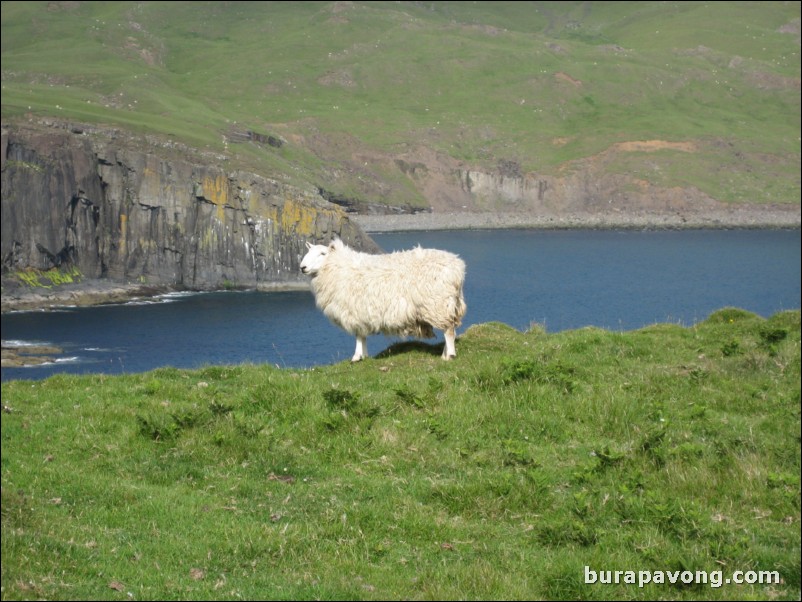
<point x="449" y="349"/>
<point x="361" y="351"/>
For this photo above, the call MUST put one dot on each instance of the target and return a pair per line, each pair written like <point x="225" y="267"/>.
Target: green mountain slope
<point x="344" y="89"/>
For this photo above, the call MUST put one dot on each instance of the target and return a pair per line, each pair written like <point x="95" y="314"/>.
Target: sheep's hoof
<point x="357" y="358"/>
<point x="448" y="357"/>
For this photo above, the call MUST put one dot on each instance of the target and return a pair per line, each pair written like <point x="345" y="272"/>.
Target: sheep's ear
<point x="308" y="245"/>
<point x="335" y="244"/>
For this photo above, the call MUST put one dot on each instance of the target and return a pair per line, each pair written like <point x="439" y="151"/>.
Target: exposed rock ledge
<point x="17" y="356"/>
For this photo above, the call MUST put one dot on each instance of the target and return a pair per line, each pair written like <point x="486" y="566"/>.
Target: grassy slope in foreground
<point x="497" y="476"/>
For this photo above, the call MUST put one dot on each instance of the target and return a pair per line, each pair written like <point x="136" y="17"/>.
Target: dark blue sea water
<point x="619" y="280"/>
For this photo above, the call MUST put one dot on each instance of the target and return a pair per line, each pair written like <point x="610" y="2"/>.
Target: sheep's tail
<point x="457" y="308"/>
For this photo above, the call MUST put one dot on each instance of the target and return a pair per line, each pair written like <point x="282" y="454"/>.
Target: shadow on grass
<point x="410" y="347"/>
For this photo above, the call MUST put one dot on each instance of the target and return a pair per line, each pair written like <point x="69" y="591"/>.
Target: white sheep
<point x="405" y="293"/>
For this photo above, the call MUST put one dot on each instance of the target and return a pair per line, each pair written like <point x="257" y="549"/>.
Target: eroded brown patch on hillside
<point x="564" y="77"/>
<point x="649" y="146"/>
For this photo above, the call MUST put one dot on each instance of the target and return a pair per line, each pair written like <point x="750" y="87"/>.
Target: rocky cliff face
<point x="586" y="191"/>
<point x="130" y="209"/>
<point x="585" y="185"/>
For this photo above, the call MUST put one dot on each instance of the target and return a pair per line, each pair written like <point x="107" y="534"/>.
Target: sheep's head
<point x="316" y="256"/>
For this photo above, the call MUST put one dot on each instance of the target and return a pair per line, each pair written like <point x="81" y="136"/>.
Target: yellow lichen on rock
<point x="124" y="232"/>
<point x="298" y="218"/>
<point x="215" y="190"/>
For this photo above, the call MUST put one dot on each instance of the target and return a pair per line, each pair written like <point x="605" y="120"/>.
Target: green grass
<point x="500" y="475"/>
<point x="476" y="81"/>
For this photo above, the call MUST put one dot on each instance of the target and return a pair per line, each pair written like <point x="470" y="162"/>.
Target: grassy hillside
<point x="350" y="85"/>
<point x="500" y="475"/>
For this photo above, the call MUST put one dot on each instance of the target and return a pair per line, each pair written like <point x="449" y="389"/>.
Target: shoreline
<point x="751" y="217"/>
<point x="98" y="292"/>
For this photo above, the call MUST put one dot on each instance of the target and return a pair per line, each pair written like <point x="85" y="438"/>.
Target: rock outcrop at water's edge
<point x="123" y="209"/>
